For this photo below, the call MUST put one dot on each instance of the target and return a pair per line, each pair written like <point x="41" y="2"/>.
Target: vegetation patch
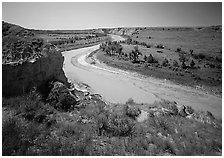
<point x="31" y="126"/>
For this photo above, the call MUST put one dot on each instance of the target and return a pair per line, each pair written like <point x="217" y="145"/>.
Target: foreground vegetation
<point x="65" y="123"/>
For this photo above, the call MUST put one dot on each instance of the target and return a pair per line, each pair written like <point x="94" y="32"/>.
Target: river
<point x="117" y="86"/>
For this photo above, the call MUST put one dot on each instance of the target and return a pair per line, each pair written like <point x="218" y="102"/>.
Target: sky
<point x="88" y="15"/>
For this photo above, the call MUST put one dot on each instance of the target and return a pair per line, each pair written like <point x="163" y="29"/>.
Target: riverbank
<point x="116" y="85"/>
<point x="181" y="78"/>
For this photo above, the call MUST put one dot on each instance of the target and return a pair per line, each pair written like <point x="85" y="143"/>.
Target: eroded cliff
<point x="21" y="77"/>
<point x="125" y="31"/>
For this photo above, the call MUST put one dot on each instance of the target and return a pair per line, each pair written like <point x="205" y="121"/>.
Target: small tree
<point x="192" y="64"/>
<point x="134" y="55"/>
<point x="191" y="51"/>
<point x="145" y="58"/>
<point x="150" y="59"/>
<point x="183" y="65"/>
<point x="178" y="50"/>
<point x="107" y="50"/>
<point x="129" y="41"/>
<point x="165" y="62"/>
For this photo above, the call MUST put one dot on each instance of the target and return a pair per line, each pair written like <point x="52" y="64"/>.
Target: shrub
<point x="129" y="41"/>
<point x="151" y="59"/>
<point x="145" y="58"/>
<point x="137" y="146"/>
<point x="11" y="137"/>
<point x="173" y="108"/>
<point x="183" y="65"/>
<point x="160" y="46"/>
<point x="130" y="101"/>
<point x="60" y="98"/>
<point x="178" y="50"/>
<point x="192" y="64"/>
<point x="189" y="110"/>
<point x="132" y="111"/>
<point x="165" y="62"/>
<point x="191" y="51"/>
<point x="201" y="56"/>
<point x="143" y="44"/>
<point x="175" y="63"/>
<point x="218" y="59"/>
<point x="119" y="125"/>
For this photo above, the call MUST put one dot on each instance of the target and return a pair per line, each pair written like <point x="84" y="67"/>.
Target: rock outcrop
<point x="18" y="78"/>
<point x="125" y="31"/>
<point x="61" y="98"/>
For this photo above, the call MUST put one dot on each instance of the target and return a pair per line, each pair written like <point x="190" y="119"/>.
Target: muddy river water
<point x="118" y="86"/>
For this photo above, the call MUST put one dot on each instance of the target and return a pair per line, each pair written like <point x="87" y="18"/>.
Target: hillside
<point x="188" y="56"/>
<point x="44" y="115"/>
<point x="19" y="44"/>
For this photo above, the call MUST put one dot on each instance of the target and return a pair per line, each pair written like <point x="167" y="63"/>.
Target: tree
<point x="165" y="62"/>
<point x="107" y="50"/>
<point x="178" y="50"/>
<point x="183" y="65"/>
<point x="103" y="46"/>
<point x="191" y="51"/>
<point x="134" y="55"/>
<point x="150" y="59"/>
<point x="129" y="41"/>
<point x="192" y="64"/>
<point x="118" y="48"/>
<point x="145" y="58"/>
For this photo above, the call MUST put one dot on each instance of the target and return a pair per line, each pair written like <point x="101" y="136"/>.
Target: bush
<point x="199" y="56"/>
<point x="11" y="137"/>
<point x="192" y="64"/>
<point x="189" y="110"/>
<point x="132" y="111"/>
<point x="175" y="63"/>
<point x="160" y="46"/>
<point x="165" y="62"/>
<point x="218" y="59"/>
<point x="119" y="125"/>
<point x="151" y="59"/>
<point x="178" y="50"/>
<point x="60" y="98"/>
<point x="130" y="101"/>
<point x="183" y="65"/>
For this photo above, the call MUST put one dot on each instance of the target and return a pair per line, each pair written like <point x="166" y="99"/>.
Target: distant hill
<point x="15" y="30"/>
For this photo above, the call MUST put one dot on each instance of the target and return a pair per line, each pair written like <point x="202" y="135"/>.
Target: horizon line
<point x="114" y="27"/>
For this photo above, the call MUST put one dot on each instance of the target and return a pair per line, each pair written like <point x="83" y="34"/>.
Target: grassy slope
<point x="201" y="41"/>
<point x="33" y="127"/>
<point x="205" y="41"/>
